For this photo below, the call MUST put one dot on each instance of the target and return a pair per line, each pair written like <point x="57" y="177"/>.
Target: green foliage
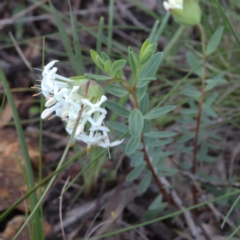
<point x="135" y="172"/>
<point x="135" y="123"/>
<point x="132" y="145"/>
<point x="158" y="112"/>
<point x="117" y="108"/>
<point x="214" y="41"/>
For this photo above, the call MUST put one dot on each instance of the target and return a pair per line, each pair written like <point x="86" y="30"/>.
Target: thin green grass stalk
<point x="58" y="166"/>
<point x="30" y="177"/>
<point x="64" y="37"/>
<point x="153" y="31"/>
<point x="161" y="28"/>
<point x="53" y="178"/>
<point x="154" y="37"/>
<point x="30" y="229"/>
<point x="110" y="26"/>
<point x="233" y="233"/>
<point x="3" y="103"/>
<point x="40" y="137"/>
<point x="173" y="41"/>
<point x="77" y="46"/>
<point x="167" y="216"/>
<point x="226" y="19"/>
<point x="144" y="8"/>
<point x="99" y="40"/>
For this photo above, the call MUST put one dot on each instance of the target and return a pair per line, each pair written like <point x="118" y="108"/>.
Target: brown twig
<point x="200" y="109"/>
<point x="155" y="177"/>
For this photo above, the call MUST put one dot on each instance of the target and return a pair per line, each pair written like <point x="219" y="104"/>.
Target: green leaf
<point x="144" y="184"/>
<point x="144" y="104"/>
<point x="93" y="55"/>
<point x="167" y="171"/>
<point x="115" y="90"/>
<point x="144" y="46"/>
<point x="107" y="67"/>
<point x="151" y="67"/>
<point x="133" y="63"/>
<point x="136" y="123"/>
<point x="209" y="111"/>
<point x="135" y="173"/>
<point x="214" y="41"/>
<point x="160" y="134"/>
<point x="78" y="78"/>
<point x="105" y="57"/>
<point x="118" y="126"/>
<point x="117" y="108"/>
<point x="156" y="203"/>
<point x="158" y="112"/>
<point x="117" y="65"/>
<point x="146" y="56"/>
<point x="147" y="79"/>
<point x="99" y="62"/>
<point x="141" y="93"/>
<point x="97" y="77"/>
<point x="192" y="93"/>
<point x="136" y="159"/>
<point x="194" y="64"/>
<point x="216" y="81"/>
<point x="132" y="145"/>
<point x="160" y="143"/>
<point x="119" y="74"/>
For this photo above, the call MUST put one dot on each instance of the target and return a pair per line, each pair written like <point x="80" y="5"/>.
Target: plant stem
<point x="147" y="159"/>
<point x="200" y="107"/>
<point x="155" y="177"/>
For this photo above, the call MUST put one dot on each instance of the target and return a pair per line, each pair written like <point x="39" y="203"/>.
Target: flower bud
<point x="186" y="12"/>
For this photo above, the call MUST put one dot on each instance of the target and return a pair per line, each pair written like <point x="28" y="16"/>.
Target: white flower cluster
<point x="64" y="100"/>
<point x="173" y="4"/>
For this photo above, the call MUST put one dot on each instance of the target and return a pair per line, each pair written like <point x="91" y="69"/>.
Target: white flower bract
<point x="64" y="101"/>
<point x="173" y="4"/>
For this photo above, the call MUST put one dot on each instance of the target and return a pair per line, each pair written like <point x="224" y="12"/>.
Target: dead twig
<point x="187" y="214"/>
<point x="21" y="54"/>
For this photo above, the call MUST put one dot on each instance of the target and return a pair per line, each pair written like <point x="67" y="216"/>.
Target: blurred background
<point x="33" y="33"/>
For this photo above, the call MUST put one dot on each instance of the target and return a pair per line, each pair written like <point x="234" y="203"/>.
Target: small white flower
<point x="65" y="101"/>
<point x="173" y="4"/>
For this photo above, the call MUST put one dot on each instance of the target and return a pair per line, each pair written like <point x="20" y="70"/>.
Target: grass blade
<point x="29" y="171"/>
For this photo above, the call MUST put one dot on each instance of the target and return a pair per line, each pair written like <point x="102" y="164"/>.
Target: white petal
<point x="50" y="102"/>
<point x="46" y="113"/>
<point x="115" y="143"/>
<point x="49" y="65"/>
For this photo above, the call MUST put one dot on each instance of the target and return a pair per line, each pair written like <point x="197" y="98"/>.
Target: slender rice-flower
<point x="173" y="4"/>
<point x="65" y="97"/>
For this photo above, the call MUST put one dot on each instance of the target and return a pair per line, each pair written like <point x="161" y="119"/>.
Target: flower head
<point x="186" y="12"/>
<point x="66" y="97"/>
<point x="173" y="4"/>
